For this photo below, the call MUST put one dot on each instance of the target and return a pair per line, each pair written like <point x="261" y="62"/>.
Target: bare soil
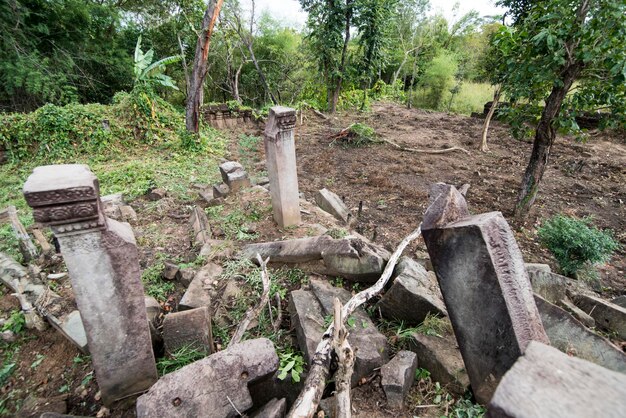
<point x="582" y="180"/>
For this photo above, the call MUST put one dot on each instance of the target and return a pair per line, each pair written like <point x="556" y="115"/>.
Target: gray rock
<point x="397" y="377"/>
<point x="577" y="313"/>
<point x="331" y="203"/>
<point x="211" y="384"/>
<point x="198" y="293"/>
<point x="550" y="286"/>
<point x="292" y="251"/>
<point x="170" y="271"/>
<point x="620" y="301"/>
<point x="608" y="315"/>
<point x="200" y="226"/>
<point x="485" y="286"/>
<point x="216" y="249"/>
<point x="191" y="329"/>
<point x="220" y="190"/>
<point x="71" y="327"/>
<point x="234" y="175"/>
<point x="356" y="260"/>
<point x="207" y="195"/>
<point x="273" y="409"/>
<point x="157" y="194"/>
<point x="413" y="295"/>
<point x="442" y="358"/>
<point x="371" y="346"/>
<point x="270" y="387"/>
<point x="186" y="276"/>
<point x="571" y="337"/>
<point x="307" y="318"/>
<point x="128" y="214"/>
<point x="547" y="383"/>
<point x="111" y="205"/>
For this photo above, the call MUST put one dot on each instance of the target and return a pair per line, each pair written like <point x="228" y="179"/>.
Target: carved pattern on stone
<point x="286" y="121"/>
<point x="77" y="226"/>
<point x="60" y="196"/>
<point x="56" y="214"/>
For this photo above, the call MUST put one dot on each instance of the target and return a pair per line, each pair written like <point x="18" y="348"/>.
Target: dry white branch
<point x="32" y="319"/>
<point x="254" y="311"/>
<point x="345" y="357"/>
<point x="309" y="398"/>
<point x="426" y="151"/>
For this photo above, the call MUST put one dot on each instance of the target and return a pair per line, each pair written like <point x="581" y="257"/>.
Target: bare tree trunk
<point x="344" y="54"/>
<point x="260" y="72"/>
<point x="199" y="71"/>
<point x="492" y="109"/>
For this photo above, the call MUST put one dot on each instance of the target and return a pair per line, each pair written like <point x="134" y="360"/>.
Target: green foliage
<point x="437" y="80"/>
<point x="576" y="243"/>
<point x="465" y="408"/>
<point x="154" y="284"/>
<point x="337" y="233"/>
<point x="235" y="223"/>
<point x="6" y="371"/>
<point x="15" y="323"/>
<point x="421" y="374"/>
<point x="290" y="363"/>
<point x="151" y="73"/>
<point x="357" y="135"/>
<point x="180" y="358"/>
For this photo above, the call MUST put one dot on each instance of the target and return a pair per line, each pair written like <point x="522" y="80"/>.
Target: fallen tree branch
<point x="426" y="151"/>
<point x="27" y="248"/>
<point x="320" y="114"/>
<point x="345" y="357"/>
<point x="279" y="312"/>
<point x="255" y="311"/>
<point x="309" y="398"/>
<point x="32" y="319"/>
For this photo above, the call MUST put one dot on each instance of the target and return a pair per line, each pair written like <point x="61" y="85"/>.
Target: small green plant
<point x="15" y="323"/>
<point x="337" y="233"/>
<point x="38" y="359"/>
<point x="155" y="286"/>
<point x="337" y="281"/>
<point x="180" y="358"/>
<point x="357" y="135"/>
<point x="421" y="374"/>
<point x="248" y="144"/>
<point x="290" y="363"/>
<point x="435" y="326"/>
<point x="464" y="408"/>
<point x="576" y="243"/>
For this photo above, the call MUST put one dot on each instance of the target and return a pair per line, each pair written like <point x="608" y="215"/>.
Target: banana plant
<point x="148" y="72"/>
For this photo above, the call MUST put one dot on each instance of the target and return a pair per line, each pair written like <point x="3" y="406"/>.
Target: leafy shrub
<point x="437" y="80"/>
<point x="576" y="243"/>
<point x="290" y="363"/>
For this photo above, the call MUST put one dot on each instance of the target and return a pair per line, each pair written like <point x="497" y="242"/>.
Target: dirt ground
<point x="582" y="180"/>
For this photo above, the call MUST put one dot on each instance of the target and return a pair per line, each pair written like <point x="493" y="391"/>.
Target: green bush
<point x="437" y="80"/>
<point x="576" y="243"/>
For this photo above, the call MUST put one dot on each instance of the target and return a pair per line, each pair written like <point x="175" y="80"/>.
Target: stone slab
<point x="188" y="329"/>
<point x="577" y="313"/>
<point x="210" y="385"/>
<point x="397" y="377"/>
<point x="295" y="250"/>
<point x="547" y="383"/>
<point x="276" y="408"/>
<point x="307" y="318"/>
<point x="331" y="203"/>
<point x="485" y="286"/>
<point x="442" y="358"/>
<point x="358" y="260"/>
<point x="413" y="294"/>
<point x="620" y="301"/>
<point x="198" y="293"/>
<point x="571" y="337"/>
<point x="372" y="350"/>
<point x="608" y="315"/>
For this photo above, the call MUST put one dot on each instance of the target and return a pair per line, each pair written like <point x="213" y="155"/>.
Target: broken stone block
<point x="620" y="301"/>
<point x="291" y="251"/>
<point x="442" y="358"/>
<point x="577" y="313"/>
<point x="128" y="214"/>
<point x="373" y="350"/>
<point x="270" y="387"/>
<point x="157" y="194"/>
<point x="607" y="315"/>
<point x="198" y="293"/>
<point x="397" y="377"/>
<point x="280" y="154"/>
<point x="276" y="408"/>
<point x="307" y="318"/>
<point x="191" y="329"/>
<point x="111" y="205"/>
<point x="485" y="287"/>
<point x="332" y="204"/>
<point x="220" y="190"/>
<point x="153" y="309"/>
<point x="357" y="260"/>
<point x="103" y="264"/>
<point x="571" y="337"/>
<point x="413" y="295"/>
<point x="186" y="276"/>
<point x="207" y="195"/>
<point x="217" y="384"/>
<point x="216" y="249"/>
<point x="71" y="326"/>
<point x="234" y="175"/>
<point x="550" y="286"/>
<point x="200" y="226"/>
<point x="547" y="383"/>
<point x="170" y="271"/>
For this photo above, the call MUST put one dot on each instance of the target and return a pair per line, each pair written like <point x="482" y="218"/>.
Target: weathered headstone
<point x="188" y="329"/>
<point x="103" y="263"/>
<point x="280" y="154"/>
<point x="547" y="383"/>
<point x="485" y="287"/>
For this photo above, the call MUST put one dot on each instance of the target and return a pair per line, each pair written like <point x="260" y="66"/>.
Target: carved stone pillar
<point x="103" y="264"/>
<point x="280" y="154"/>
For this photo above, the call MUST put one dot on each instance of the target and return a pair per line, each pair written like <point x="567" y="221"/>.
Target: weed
<point x="38" y="359"/>
<point x="180" y="358"/>
<point x="337" y="281"/>
<point x="576" y="244"/>
<point x="235" y="223"/>
<point x="290" y="363"/>
<point x="155" y="286"/>
<point x="6" y="371"/>
<point x="433" y="325"/>
<point x="337" y="233"/>
<point x="248" y="144"/>
<point x="421" y="374"/>
<point x="464" y="408"/>
<point x="15" y="323"/>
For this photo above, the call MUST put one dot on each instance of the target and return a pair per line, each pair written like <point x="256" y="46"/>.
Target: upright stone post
<point x="103" y="264"/>
<point x="280" y="154"/>
<point x="485" y="287"/>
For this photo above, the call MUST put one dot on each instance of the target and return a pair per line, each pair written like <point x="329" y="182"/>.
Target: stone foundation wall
<point x="220" y="117"/>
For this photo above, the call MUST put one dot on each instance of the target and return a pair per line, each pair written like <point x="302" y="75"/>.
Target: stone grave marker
<point x="485" y="286"/>
<point x="103" y="264"/>
<point x="280" y="154"/>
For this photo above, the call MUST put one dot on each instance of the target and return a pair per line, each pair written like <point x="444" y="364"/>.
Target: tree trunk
<point x="492" y="110"/>
<point x="344" y="53"/>
<point x="544" y="138"/>
<point x="199" y="71"/>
